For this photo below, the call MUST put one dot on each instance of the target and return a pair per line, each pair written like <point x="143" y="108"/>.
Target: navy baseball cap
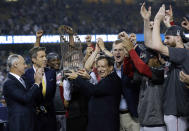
<point x="177" y="31"/>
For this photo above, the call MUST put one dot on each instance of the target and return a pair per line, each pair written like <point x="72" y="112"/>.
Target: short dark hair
<point x="110" y="60"/>
<point x="52" y="56"/>
<point x="33" y="51"/>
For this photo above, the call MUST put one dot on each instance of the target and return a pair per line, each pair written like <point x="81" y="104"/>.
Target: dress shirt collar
<point x="118" y="71"/>
<point x="34" y="68"/>
<point x="15" y="75"/>
<point x="115" y="67"/>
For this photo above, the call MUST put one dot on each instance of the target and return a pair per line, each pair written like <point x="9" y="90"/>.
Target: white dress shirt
<point x="19" y="78"/>
<point x="123" y="104"/>
<point x="66" y="86"/>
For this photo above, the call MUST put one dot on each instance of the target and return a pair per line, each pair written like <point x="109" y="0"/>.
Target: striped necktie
<point x="22" y="81"/>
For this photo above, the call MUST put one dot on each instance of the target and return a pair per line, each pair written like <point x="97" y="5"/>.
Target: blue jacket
<point x="130" y="90"/>
<point x="46" y="121"/>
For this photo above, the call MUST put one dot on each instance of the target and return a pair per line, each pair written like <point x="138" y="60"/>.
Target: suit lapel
<point x="29" y="78"/>
<point x="15" y="79"/>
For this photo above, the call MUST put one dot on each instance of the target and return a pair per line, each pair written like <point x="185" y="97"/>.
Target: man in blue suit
<point x="45" y="112"/>
<point x="18" y="96"/>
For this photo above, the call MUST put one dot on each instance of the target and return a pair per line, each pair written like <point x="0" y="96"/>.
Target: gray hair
<point x="11" y="60"/>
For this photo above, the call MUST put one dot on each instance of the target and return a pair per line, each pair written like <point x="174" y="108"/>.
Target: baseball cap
<point x="177" y="31"/>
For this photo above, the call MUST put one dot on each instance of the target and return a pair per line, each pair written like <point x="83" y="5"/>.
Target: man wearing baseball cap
<point x="176" y="95"/>
<point x="171" y="33"/>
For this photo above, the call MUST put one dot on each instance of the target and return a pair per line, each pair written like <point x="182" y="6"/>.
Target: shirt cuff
<point x="36" y="84"/>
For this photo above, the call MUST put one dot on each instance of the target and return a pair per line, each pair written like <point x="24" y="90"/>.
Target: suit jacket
<point x="77" y="110"/>
<point x="46" y="121"/>
<point x="20" y="104"/>
<point x="131" y="90"/>
<point x="103" y="108"/>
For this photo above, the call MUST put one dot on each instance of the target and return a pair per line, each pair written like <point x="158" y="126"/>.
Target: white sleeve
<point x="66" y="86"/>
<point x="93" y="79"/>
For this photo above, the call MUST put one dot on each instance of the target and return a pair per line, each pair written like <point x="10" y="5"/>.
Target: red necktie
<point x="61" y="93"/>
<point x="62" y="98"/>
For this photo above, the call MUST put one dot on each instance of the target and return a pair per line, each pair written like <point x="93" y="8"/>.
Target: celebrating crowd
<point x="130" y="88"/>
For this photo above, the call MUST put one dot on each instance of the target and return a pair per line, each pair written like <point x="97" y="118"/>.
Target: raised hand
<point x="128" y="45"/>
<point x="89" y="50"/>
<point x="68" y="29"/>
<point x="167" y="21"/>
<point x="123" y="36"/>
<point x="39" y="33"/>
<point x="170" y="12"/>
<point x="161" y="14"/>
<point x="168" y="17"/>
<point x="185" y="24"/>
<point x="97" y="48"/>
<point x="132" y="38"/>
<point x="100" y="43"/>
<point x="146" y="14"/>
<point x="88" y="38"/>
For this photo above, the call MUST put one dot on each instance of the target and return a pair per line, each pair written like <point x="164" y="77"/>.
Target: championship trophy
<point x="71" y="50"/>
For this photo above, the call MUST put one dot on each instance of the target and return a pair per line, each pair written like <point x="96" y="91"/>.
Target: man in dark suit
<point x="103" y="108"/>
<point x="18" y="96"/>
<point x="130" y="89"/>
<point x="53" y="62"/>
<point x="45" y="112"/>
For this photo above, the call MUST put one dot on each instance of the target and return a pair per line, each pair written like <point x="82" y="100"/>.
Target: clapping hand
<point x="123" y="36"/>
<point x="39" y="75"/>
<point x="100" y="43"/>
<point x="146" y="14"/>
<point x="168" y="17"/>
<point x="161" y="14"/>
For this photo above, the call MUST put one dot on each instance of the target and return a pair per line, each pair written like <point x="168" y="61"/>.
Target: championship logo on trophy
<point x="71" y="49"/>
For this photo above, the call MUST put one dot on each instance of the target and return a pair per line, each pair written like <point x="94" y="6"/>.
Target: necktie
<point x="43" y="87"/>
<point x="61" y="93"/>
<point x="22" y="81"/>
